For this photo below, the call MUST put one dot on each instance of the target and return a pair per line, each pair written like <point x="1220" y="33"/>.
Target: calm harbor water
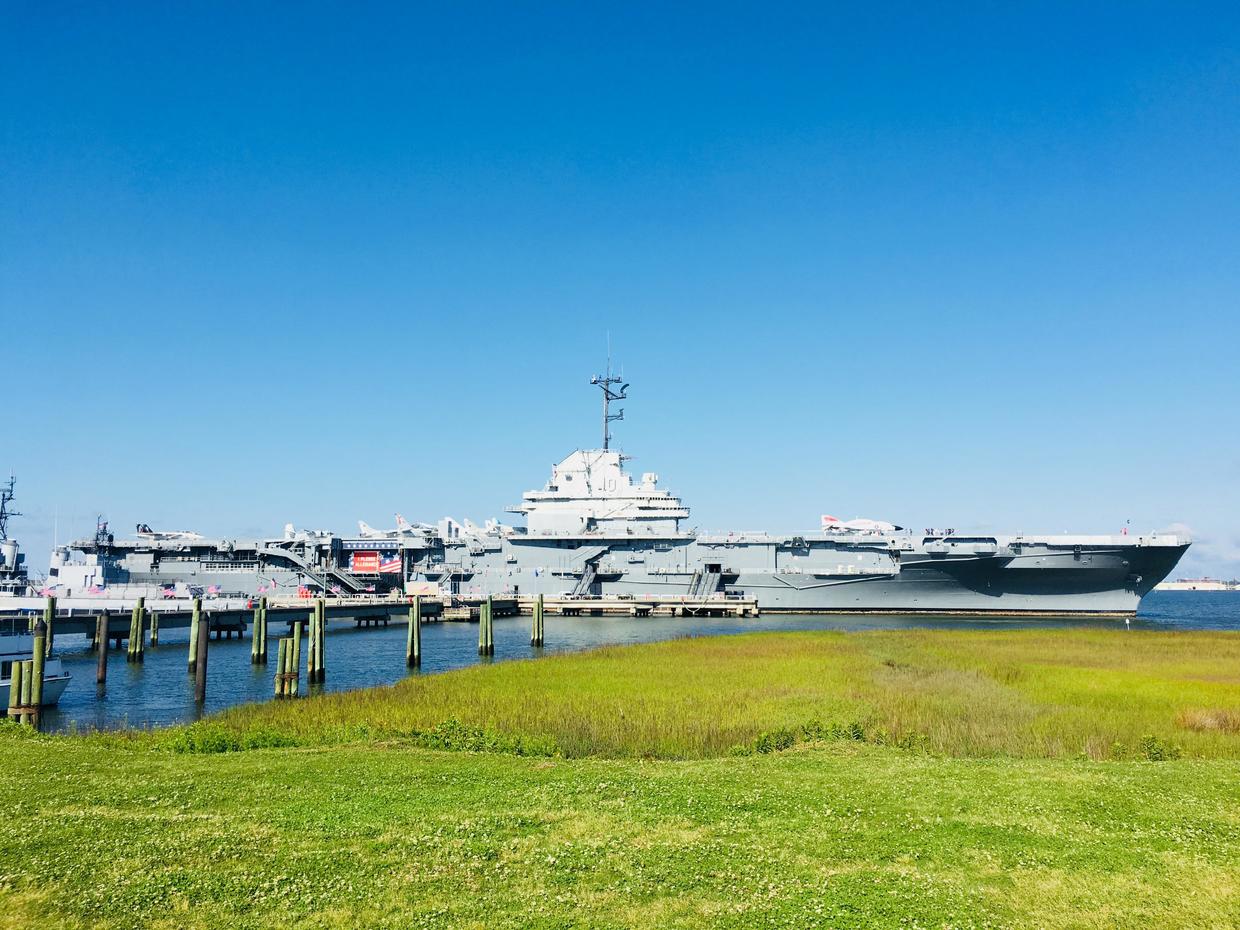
<point x="159" y="692"/>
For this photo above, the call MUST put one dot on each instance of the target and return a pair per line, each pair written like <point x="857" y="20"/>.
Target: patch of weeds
<point x="205" y="738"/>
<point x="776" y="740"/>
<point x="815" y="731"/>
<point x="1155" y="750"/>
<point x="454" y="736"/>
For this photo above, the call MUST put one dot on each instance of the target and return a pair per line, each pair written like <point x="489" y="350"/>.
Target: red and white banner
<point x="364" y="562"/>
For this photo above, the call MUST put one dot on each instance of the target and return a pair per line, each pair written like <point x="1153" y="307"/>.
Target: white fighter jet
<point x="403" y="528"/>
<point x="145" y="532"/>
<point x="832" y="524"/>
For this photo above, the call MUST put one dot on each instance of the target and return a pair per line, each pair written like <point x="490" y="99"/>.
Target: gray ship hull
<point x="1046" y="576"/>
<point x="1056" y="577"/>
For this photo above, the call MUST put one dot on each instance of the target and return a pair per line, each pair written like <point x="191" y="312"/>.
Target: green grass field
<point x="897" y="779"/>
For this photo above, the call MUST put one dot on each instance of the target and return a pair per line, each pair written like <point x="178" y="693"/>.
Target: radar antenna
<point x="102" y="536"/>
<point x="6" y="498"/>
<point x="605" y="382"/>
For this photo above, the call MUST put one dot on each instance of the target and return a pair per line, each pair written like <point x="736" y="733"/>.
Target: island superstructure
<point x="594" y="530"/>
<point x="14" y="579"/>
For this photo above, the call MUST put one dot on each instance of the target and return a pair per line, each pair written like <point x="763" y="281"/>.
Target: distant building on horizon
<point x="1198" y="584"/>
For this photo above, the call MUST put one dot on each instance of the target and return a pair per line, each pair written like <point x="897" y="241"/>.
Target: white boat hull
<point x="53" y="688"/>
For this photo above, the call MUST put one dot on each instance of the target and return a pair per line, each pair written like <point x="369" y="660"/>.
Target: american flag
<point x="335" y="589"/>
<point x="95" y="589"/>
<point x="47" y="592"/>
<point x="389" y="563"/>
<point x="169" y="591"/>
<point x="213" y="589"/>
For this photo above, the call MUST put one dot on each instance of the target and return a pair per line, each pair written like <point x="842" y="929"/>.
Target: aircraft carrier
<point x="593" y="530"/>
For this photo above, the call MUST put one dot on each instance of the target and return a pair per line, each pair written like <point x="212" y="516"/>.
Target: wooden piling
<point x="295" y="669"/>
<point x="101" y="637"/>
<point x="203" y="625"/>
<point x="15" y="690"/>
<point x="413" y="637"/>
<point x="49" y="617"/>
<point x="41" y="635"/>
<point x="322" y="642"/>
<point x="137" y="633"/>
<point x="154" y="627"/>
<point x="539" y="628"/>
<point x="193" y="634"/>
<point x="129" y="638"/>
<point x="312" y="632"/>
<point x="256" y="638"/>
<point x="314" y="645"/>
<point x="27" y="689"/>
<point x="486" y="636"/>
<point x="320" y="615"/>
<point x="316" y="665"/>
<point x="281" y="661"/>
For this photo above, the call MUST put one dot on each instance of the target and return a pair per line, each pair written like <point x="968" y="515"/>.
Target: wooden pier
<point x="229" y="617"/>
<point x="106" y="622"/>
<point x="233" y="617"/>
<point x="470" y="611"/>
<point x="645" y="606"/>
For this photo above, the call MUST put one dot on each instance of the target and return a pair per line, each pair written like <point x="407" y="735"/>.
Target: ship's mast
<point x="6" y="498"/>
<point x="605" y="382"/>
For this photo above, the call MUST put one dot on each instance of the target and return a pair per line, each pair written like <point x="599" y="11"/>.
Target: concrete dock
<point x="646" y="606"/>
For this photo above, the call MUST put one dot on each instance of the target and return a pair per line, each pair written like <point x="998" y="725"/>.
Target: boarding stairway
<point x="584" y="583"/>
<point x="704" y="584"/>
<point x="323" y="577"/>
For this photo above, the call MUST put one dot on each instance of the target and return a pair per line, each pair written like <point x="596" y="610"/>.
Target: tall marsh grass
<point x="1029" y="693"/>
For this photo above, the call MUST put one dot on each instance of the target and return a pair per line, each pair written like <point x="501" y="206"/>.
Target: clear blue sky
<point x="317" y="263"/>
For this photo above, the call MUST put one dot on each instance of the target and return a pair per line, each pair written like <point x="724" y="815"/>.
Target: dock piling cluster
<point x="413" y="637"/>
<point x="19" y="690"/>
<point x="258" y="639"/>
<point x="486" y="633"/>
<point x="538" y="627"/>
<point x="288" y="675"/>
<point x="288" y="664"/>
<point x="137" y="632"/>
<point x="316" y="670"/>
<point x="26" y="680"/>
